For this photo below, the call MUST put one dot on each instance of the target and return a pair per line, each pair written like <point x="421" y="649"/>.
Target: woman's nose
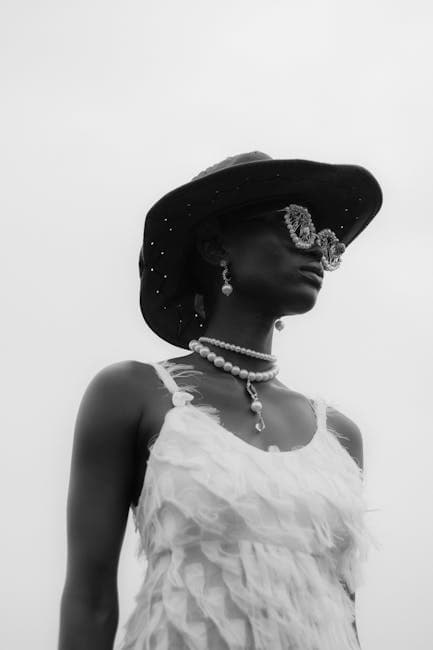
<point x="315" y="252"/>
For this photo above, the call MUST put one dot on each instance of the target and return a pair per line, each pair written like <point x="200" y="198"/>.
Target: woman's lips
<point x="316" y="268"/>
<point x="312" y="276"/>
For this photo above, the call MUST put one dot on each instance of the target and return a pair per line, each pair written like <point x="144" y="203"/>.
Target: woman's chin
<point x="302" y="301"/>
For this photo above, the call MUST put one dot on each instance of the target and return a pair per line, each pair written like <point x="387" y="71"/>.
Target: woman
<point x="251" y="514"/>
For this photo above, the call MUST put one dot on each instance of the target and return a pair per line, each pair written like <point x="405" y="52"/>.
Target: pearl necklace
<point x="219" y="362"/>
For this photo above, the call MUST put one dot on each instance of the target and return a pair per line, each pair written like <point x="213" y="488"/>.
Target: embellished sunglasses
<point x="303" y="234"/>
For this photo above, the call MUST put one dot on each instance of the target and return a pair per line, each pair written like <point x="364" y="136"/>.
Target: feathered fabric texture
<point x="245" y="548"/>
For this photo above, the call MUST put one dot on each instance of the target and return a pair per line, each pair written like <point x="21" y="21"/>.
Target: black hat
<point x="344" y="198"/>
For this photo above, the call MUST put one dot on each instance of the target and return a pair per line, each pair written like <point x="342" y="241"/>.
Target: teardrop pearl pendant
<point x="256" y="406"/>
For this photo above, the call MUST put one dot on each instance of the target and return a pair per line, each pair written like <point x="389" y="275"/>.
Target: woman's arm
<point x="100" y="493"/>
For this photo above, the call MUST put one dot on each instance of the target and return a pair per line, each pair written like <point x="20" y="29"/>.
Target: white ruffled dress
<point x="245" y="548"/>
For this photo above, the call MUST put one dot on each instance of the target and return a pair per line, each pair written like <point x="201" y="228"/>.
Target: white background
<point x="108" y="105"/>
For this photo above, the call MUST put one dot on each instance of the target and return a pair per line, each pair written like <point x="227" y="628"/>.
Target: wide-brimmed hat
<point x="344" y="198"/>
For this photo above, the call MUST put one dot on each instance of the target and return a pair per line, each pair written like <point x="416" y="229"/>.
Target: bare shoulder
<point x="351" y="437"/>
<point x="126" y="379"/>
<point x="120" y="389"/>
<point x="126" y="370"/>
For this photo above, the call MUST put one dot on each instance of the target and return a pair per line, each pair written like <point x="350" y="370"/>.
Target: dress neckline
<point x="272" y="449"/>
<point x="181" y="398"/>
<point x="294" y="452"/>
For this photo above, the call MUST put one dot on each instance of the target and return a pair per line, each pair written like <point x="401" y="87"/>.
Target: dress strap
<point x="319" y="408"/>
<point x="167" y="370"/>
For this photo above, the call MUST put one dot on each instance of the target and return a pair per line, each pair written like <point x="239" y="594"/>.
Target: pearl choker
<point x="219" y="362"/>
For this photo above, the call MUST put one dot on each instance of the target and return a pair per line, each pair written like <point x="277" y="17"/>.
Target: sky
<point x="106" y="106"/>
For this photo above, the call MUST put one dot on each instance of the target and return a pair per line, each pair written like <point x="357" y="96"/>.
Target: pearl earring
<point x="279" y="325"/>
<point x="227" y="287"/>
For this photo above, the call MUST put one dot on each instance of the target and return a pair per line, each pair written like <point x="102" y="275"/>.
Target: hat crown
<point x="232" y="161"/>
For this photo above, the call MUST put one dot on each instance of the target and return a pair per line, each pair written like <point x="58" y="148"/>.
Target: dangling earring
<point x="279" y="325"/>
<point x="227" y="287"/>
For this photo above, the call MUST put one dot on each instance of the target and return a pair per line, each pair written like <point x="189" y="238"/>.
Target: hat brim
<point x="344" y="198"/>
